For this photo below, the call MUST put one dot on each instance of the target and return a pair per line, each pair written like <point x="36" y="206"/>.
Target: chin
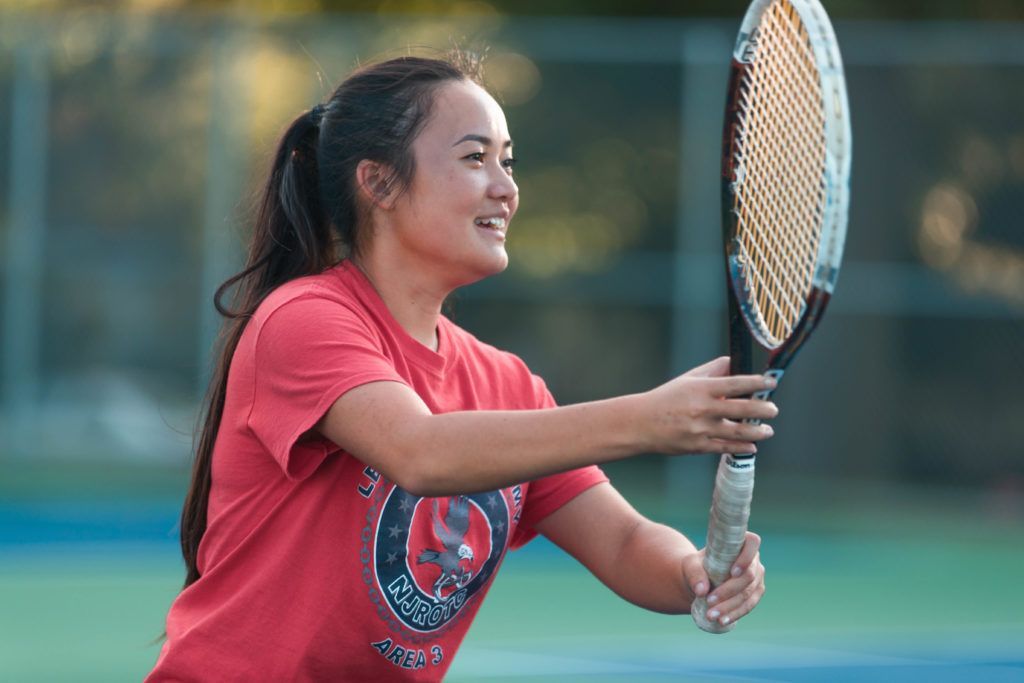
<point x="483" y="269"/>
<point x="502" y="264"/>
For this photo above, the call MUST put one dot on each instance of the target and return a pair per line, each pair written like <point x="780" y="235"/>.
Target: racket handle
<point x="727" y="529"/>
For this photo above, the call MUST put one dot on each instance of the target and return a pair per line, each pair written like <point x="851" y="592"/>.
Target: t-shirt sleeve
<point x="547" y="494"/>
<point x="308" y="352"/>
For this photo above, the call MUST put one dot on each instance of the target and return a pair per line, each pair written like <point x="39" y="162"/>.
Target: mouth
<point x="495" y="224"/>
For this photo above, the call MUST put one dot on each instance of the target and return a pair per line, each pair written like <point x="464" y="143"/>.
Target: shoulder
<point x="320" y="289"/>
<point x="469" y="346"/>
<point x="499" y="367"/>
<point x="329" y="290"/>
<point x="308" y="306"/>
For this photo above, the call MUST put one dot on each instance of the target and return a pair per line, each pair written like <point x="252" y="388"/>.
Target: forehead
<point x="463" y="108"/>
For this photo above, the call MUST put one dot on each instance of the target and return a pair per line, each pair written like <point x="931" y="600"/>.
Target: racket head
<point x="785" y="178"/>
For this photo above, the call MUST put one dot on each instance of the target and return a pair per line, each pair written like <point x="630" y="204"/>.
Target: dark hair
<point x="308" y="216"/>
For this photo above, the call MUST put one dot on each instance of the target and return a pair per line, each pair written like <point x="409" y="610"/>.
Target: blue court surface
<point x="558" y="625"/>
<point x="925" y="591"/>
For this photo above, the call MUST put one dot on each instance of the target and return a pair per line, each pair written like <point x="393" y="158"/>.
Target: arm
<point x="388" y="427"/>
<point x="649" y="564"/>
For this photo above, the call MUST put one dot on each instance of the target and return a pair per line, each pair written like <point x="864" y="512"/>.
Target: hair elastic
<point x="316" y="114"/>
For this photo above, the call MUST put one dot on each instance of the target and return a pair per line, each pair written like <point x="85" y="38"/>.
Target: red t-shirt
<point x="313" y="566"/>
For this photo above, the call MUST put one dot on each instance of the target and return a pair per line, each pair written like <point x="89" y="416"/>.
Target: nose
<point x="502" y="186"/>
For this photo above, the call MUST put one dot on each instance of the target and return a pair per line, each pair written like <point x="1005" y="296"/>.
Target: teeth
<point x="497" y="223"/>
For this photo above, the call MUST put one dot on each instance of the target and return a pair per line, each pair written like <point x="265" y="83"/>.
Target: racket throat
<point x="743" y="462"/>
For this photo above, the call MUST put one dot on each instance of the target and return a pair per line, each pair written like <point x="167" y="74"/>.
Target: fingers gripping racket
<point x="785" y="193"/>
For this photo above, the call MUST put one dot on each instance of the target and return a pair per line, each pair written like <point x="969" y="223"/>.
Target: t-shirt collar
<point x="414" y="350"/>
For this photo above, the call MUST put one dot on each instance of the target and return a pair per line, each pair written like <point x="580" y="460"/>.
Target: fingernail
<point x="736" y="571"/>
<point x="768" y="429"/>
<point x="770" y="383"/>
<point x="712" y="599"/>
<point x="725" y="620"/>
<point x="700" y="588"/>
<point x="713" y="614"/>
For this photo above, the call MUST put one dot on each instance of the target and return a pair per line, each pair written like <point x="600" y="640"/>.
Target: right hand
<point x="701" y="411"/>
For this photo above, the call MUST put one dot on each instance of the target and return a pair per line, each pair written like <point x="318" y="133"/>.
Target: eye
<point x="475" y="156"/>
<point x="509" y="163"/>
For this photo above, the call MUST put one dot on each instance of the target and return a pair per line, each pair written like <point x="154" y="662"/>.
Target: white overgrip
<point x="727" y="529"/>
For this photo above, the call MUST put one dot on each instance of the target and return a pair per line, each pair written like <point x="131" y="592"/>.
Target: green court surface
<point x="872" y="584"/>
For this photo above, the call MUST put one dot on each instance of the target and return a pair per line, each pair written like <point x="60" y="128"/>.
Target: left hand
<point x="740" y="593"/>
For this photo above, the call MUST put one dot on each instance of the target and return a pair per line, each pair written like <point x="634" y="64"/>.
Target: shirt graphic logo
<point x="455" y="557"/>
<point x="432" y="555"/>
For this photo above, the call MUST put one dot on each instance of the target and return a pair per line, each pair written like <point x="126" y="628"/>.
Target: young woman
<point x="365" y="463"/>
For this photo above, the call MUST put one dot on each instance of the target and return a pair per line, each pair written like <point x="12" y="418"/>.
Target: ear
<point x="376" y="183"/>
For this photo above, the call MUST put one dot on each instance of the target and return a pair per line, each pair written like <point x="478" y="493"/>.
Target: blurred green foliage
<point x="160" y="124"/>
<point x="1000" y="10"/>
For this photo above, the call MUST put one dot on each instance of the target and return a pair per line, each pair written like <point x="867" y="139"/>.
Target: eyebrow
<point x="482" y="139"/>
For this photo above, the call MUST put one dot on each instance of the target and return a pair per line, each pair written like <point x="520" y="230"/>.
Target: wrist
<point x="629" y="435"/>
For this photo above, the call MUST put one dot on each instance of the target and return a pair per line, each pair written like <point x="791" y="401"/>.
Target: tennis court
<point x="865" y="584"/>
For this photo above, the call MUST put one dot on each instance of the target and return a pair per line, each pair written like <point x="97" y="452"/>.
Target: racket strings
<point x="780" y="191"/>
<point x="783" y="277"/>
<point x="783" y="271"/>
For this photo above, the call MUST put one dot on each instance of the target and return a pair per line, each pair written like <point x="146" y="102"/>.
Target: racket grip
<point x="727" y="529"/>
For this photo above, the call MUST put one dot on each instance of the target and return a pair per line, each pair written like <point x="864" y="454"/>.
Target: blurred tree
<point x="985" y="10"/>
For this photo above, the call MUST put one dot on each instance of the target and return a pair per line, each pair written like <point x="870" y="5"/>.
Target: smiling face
<point x="451" y="221"/>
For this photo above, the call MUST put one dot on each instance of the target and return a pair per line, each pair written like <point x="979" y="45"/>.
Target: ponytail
<point x="291" y="238"/>
<point x="308" y="211"/>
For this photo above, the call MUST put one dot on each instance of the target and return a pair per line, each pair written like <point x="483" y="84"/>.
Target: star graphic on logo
<point x="394" y="531"/>
<point x="392" y="558"/>
<point x="492" y="501"/>
<point x="500" y="526"/>
<point x="405" y="505"/>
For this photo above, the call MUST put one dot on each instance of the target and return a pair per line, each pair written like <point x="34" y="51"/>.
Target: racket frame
<point x="836" y="178"/>
<point x="749" y="347"/>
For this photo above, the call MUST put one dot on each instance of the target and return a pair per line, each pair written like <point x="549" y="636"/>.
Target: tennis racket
<point x="785" y="194"/>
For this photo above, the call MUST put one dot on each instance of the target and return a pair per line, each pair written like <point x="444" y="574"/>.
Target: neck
<point x="414" y="304"/>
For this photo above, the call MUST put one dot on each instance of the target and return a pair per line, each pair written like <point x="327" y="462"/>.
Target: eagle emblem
<point x="430" y="557"/>
<point x="452" y="533"/>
